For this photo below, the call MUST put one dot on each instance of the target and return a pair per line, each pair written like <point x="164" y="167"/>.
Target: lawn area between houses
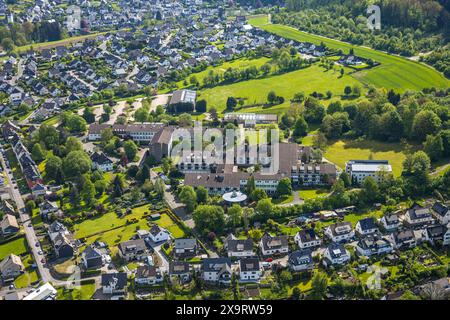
<point x="314" y="78"/>
<point x="17" y="246"/>
<point x="341" y="151"/>
<point x="394" y="72"/>
<point x="112" y="230"/>
<point x="85" y="292"/>
<point x="30" y="276"/>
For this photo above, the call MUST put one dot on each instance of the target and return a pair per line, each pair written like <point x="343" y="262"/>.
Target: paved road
<point x="30" y="233"/>
<point x="164" y="266"/>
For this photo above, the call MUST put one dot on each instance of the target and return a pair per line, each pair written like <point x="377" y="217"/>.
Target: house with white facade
<point x="301" y="260"/>
<point x="101" y="162"/>
<point x="238" y="247"/>
<point x="441" y="212"/>
<point x="366" y="226"/>
<point x="158" y="234"/>
<point x="250" y="270"/>
<point x="340" y="232"/>
<point x="271" y="245"/>
<point x="335" y="254"/>
<point x="217" y="270"/>
<point x="418" y="215"/>
<point x="390" y="222"/>
<point x="372" y="245"/>
<point x="307" y="239"/>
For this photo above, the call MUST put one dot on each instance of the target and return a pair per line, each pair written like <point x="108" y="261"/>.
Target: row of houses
<point x="29" y="168"/>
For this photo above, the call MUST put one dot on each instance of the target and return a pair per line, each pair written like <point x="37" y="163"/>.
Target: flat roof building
<point x="361" y="169"/>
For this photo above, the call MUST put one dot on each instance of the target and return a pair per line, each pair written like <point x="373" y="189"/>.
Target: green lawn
<point x="313" y="193"/>
<point x="167" y="223"/>
<point x="314" y="78"/>
<point x="103" y="223"/>
<point x="17" y="246"/>
<point x="30" y="276"/>
<point x="85" y="292"/>
<point x="341" y="151"/>
<point x="283" y="200"/>
<point x="394" y="72"/>
<point x="100" y="228"/>
<point x="236" y="64"/>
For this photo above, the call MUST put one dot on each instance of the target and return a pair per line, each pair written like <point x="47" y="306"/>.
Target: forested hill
<point x="426" y="15"/>
<point x="408" y="27"/>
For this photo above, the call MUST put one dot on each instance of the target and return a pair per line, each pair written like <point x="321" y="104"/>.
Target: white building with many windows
<point x="361" y="169"/>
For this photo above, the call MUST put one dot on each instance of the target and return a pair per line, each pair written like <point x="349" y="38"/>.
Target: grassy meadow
<point x="394" y="72"/>
<point x="341" y="151"/>
<point x="314" y="78"/>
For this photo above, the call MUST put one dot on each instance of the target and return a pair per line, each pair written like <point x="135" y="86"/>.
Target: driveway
<point x="162" y="258"/>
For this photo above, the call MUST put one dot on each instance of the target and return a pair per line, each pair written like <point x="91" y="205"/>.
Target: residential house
<point x="8" y="208"/>
<point x="11" y="267"/>
<point x="133" y="250"/>
<point x="250" y="269"/>
<point x="179" y="271"/>
<point x="435" y="234"/>
<point x="340" y="232"/>
<point x="366" y="226"/>
<point x="335" y="254"/>
<point x="185" y="247"/>
<point x="390" y="222"/>
<point x="217" y="270"/>
<point x="446" y="238"/>
<point x="158" y="234"/>
<point x="148" y="275"/>
<point x="441" y="212"/>
<point x="62" y="240"/>
<point x="47" y="207"/>
<point x="114" y="283"/>
<point x="301" y="260"/>
<point x="372" y="245"/>
<point x="307" y="238"/>
<point x="418" y="215"/>
<point x="238" y="247"/>
<point x="101" y="162"/>
<point x="92" y="258"/>
<point x="403" y="239"/>
<point x="274" y="245"/>
<point x="9" y="225"/>
<point x="38" y="190"/>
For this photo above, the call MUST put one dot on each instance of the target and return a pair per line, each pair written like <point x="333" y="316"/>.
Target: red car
<point x="269" y="260"/>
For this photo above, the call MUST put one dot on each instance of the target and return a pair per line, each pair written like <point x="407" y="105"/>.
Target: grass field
<point x="30" y="275"/>
<point x="112" y="230"/>
<point x="85" y="292"/>
<point x="236" y="64"/>
<point x="17" y="246"/>
<point x="341" y="151"/>
<point x="313" y="193"/>
<point x="311" y="79"/>
<point x="394" y="72"/>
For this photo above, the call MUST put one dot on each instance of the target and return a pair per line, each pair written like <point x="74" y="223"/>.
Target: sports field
<point x="394" y="72"/>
